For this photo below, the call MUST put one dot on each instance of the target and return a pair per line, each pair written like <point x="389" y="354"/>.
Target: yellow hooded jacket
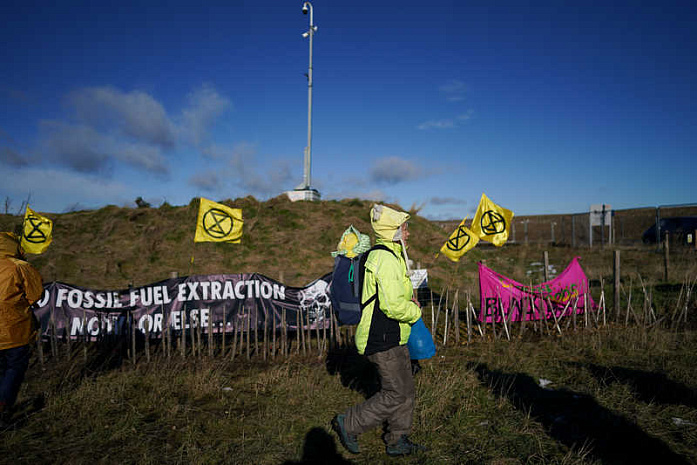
<point x="386" y="321"/>
<point x="20" y="287"/>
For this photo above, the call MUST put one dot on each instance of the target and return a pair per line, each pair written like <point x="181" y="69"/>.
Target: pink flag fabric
<point x="502" y="297"/>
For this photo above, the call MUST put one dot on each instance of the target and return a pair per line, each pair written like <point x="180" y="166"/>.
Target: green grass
<point x="477" y="403"/>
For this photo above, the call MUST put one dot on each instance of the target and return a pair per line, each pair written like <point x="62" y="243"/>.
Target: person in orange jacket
<point x="20" y="287"/>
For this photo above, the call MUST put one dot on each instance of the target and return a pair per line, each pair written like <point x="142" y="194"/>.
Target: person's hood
<point x="9" y="245"/>
<point x="386" y="222"/>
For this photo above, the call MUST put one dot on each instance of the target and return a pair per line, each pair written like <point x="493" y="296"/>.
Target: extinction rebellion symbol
<point x="492" y="223"/>
<point x="455" y="244"/>
<point x="34" y="235"/>
<point x="217" y="223"/>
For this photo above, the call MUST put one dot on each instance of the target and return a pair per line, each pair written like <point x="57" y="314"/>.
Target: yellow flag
<point x="491" y="222"/>
<point x="218" y="223"/>
<point x="459" y="242"/>
<point x="36" y="232"/>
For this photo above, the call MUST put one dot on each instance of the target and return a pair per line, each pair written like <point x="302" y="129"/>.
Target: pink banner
<point x="502" y="297"/>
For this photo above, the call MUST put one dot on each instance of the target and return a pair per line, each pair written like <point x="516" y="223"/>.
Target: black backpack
<point x="347" y="286"/>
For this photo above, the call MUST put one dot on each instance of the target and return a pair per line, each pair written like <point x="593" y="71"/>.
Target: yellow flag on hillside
<point x="492" y="223"/>
<point x="37" y="232"/>
<point x="459" y="242"/>
<point x="218" y="223"/>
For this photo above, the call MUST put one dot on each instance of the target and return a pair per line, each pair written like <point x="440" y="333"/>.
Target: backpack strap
<point x="362" y="267"/>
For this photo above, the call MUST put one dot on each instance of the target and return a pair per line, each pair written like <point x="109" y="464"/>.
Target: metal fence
<point x="626" y="227"/>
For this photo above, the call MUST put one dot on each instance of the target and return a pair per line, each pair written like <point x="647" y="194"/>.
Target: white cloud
<point x="454" y="90"/>
<point x="446" y="201"/>
<point x="52" y="189"/>
<point x="109" y="126"/>
<point x="437" y="124"/>
<point x="393" y="170"/>
<point x="84" y="149"/>
<point x="242" y="169"/>
<point x="11" y="157"/>
<point x="206" y="105"/>
<point x="206" y="181"/>
<point x="448" y="123"/>
<point x="135" y="114"/>
<point x="76" y="146"/>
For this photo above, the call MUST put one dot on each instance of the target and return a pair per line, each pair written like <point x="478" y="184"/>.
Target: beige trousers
<point x="394" y="403"/>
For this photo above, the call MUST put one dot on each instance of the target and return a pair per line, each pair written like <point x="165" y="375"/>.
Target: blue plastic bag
<point x="420" y="342"/>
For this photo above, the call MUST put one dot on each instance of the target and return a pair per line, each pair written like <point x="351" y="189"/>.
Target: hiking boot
<point x="349" y="441"/>
<point x="403" y="446"/>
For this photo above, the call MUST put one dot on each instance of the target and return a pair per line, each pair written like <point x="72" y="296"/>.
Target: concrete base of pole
<point x="305" y="194"/>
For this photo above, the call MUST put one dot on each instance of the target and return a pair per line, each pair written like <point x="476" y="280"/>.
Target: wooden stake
<point x="266" y="348"/>
<point x="319" y="347"/>
<point x="84" y="338"/>
<point x="554" y="315"/>
<point x="337" y="333"/>
<point x="479" y="326"/>
<point x="629" y="303"/>
<point x="432" y="313"/>
<point x="585" y="308"/>
<point x="309" y="331"/>
<point x="332" y="335"/>
<point x="284" y="327"/>
<point x="235" y="326"/>
<point x="133" y="340"/>
<point x="52" y="336"/>
<point x="666" y="254"/>
<point x="69" y="342"/>
<point x="182" y="338"/>
<point x="523" y="317"/>
<point x="209" y="333"/>
<point x="503" y="319"/>
<point x="456" y="319"/>
<point x="324" y="331"/>
<point x="273" y="333"/>
<point x="468" y="318"/>
<point x="256" y="329"/>
<point x="223" y="326"/>
<point x="167" y="336"/>
<point x="248" y="335"/>
<point x="297" y="331"/>
<point x="192" y="333"/>
<point x="435" y="322"/>
<point x="616" y="301"/>
<point x="40" y="349"/>
<point x="147" y="344"/>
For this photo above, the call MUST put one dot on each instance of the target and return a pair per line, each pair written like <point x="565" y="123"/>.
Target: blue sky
<point x="548" y="107"/>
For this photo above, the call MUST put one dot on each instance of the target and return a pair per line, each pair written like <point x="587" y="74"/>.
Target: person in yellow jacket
<point x="382" y="334"/>
<point x="20" y="288"/>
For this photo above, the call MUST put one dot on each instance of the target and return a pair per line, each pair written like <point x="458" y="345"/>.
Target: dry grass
<point x="112" y="247"/>
<point x="475" y="404"/>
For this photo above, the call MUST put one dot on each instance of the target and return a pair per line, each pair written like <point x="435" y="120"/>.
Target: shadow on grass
<point x="577" y="420"/>
<point x="649" y="386"/>
<point x="319" y="448"/>
<point x="355" y="370"/>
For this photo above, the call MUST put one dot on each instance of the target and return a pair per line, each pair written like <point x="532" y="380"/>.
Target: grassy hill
<point x="113" y="247"/>
<point x="618" y="394"/>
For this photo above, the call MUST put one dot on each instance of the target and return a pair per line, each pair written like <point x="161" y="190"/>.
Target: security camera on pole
<point x="304" y="191"/>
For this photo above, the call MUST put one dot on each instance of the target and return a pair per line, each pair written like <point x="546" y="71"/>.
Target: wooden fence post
<point x="666" y="253"/>
<point x="456" y="319"/>
<point x="545" y="257"/>
<point x="616" y="300"/>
